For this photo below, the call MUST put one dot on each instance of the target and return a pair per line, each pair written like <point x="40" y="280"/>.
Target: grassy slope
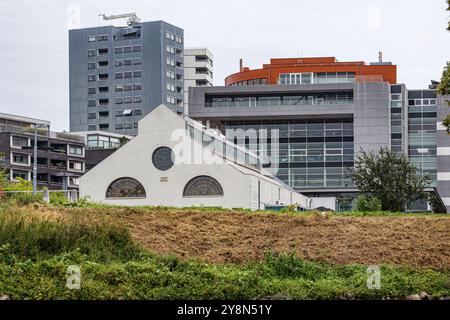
<point x="35" y="253"/>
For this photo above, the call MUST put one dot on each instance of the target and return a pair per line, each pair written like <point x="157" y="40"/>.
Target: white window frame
<point x="75" y="155"/>
<point x="13" y="180"/>
<point x="75" y="170"/>
<point x="20" y="164"/>
<point x="16" y="147"/>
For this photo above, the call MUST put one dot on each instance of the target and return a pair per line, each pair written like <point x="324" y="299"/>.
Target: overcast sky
<point x="34" y="67"/>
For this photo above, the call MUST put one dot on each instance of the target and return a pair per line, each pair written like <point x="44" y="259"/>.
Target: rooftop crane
<point x="132" y="18"/>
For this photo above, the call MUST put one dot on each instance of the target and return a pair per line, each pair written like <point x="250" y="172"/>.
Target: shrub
<point x="366" y="203"/>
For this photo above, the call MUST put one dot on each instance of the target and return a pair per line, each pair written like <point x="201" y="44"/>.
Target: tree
<point x="444" y="86"/>
<point x="390" y="177"/>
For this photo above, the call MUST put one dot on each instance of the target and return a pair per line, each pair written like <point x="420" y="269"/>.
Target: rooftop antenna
<point x="380" y="56"/>
<point x="132" y="18"/>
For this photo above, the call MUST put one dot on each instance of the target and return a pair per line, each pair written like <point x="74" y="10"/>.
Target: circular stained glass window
<point x="163" y="158"/>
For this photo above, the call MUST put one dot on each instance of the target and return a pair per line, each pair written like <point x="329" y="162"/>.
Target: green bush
<point x="366" y="203"/>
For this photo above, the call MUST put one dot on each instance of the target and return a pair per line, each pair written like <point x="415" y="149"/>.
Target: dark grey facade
<point x="60" y="158"/>
<point x="321" y="127"/>
<point x="120" y="74"/>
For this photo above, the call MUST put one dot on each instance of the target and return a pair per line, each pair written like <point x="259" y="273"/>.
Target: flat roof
<point x="23" y="119"/>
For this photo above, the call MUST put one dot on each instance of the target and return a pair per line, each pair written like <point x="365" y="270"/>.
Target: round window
<point x="163" y="158"/>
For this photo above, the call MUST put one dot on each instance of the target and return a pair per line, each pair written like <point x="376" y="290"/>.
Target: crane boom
<point x="131" y="17"/>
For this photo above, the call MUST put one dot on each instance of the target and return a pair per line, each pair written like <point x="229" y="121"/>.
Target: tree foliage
<point x="444" y="86"/>
<point x="390" y="177"/>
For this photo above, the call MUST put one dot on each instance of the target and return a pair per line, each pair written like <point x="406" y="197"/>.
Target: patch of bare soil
<point x="223" y="237"/>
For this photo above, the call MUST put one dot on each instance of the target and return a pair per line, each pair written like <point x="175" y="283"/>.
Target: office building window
<point x="119" y="88"/>
<point x="103" y="126"/>
<point x="103" y="76"/>
<point x="170" y="62"/>
<point x="127" y="49"/>
<point x="170" y="49"/>
<point x="103" y="37"/>
<point x="119" y="113"/>
<point x="137" y="74"/>
<point x="137" y="99"/>
<point x="170" y="36"/>
<point x="119" y="100"/>
<point x="119" y="75"/>
<point x="170" y="74"/>
<point x="137" y="48"/>
<point x="103" y="102"/>
<point x="128" y="62"/>
<point x="128" y="87"/>
<point x="92" y="77"/>
<point x="118" y="63"/>
<point x="179" y="39"/>
<point x="118" y="50"/>
<point x="92" y="53"/>
<point x="92" y="127"/>
<point x="135" y="125"/>
<point x="137" y="86"/>
<point x="91" y="65"/>
<point x="137" y="112"/>
<point x="128" y="125"/>
<point x="103" y="89"/>
<point x="170" y="87"/>
<point x="128" y="75"/>
<point x="92" y="103"/>
<point x="91" y="39"/>
<point x="103" y="114"/>
<point x="137" y="62"/>
<point x="119" y="126"/>
<point x="92" y="116"/>
<point x="171" y="100"/>
<point x="92" y="90"/>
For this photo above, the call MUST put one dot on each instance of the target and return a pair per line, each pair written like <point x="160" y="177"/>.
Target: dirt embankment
<point x="223" y="237"/>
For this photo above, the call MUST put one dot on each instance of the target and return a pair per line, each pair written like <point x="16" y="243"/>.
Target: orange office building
<point x="314" y="70"/>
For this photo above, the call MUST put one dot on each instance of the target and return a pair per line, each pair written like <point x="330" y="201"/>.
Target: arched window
<point x="125" y="188"/>
<point x="203" y="186"/>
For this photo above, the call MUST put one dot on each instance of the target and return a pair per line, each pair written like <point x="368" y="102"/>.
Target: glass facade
<point x="397" y="119"/>
<point x="317" y="77"/>
<point x="302" y="153"/>
<point x="343" y="97"/>
<point x="422" y="131"/>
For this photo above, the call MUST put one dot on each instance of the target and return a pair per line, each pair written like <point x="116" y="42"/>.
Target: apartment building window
<point x="137" y="48"/>
<point x="179" y="39"/>
<point x="135" y="125"/>
<point x="119" y="75"/>
<point x="103" y="102"/>
<point x="127" y="49"/>
<point x="137" y="112"/>
<point x="170" y="74"/>
<point x="103" y="76"/>
<point x="137" y="99"/>
<point x="103" y="126"/>
<point x="127" y="113"/>
<point x="128" y="100"/>
<point x="92" y="90"/>
<point x="118" y="50"/>
<point x="92" y="77"/>
<point x="75" y="150"/>
<point x="16" y="174"/>
<point x="170" y="62"/>
<point x="170" y="36"/>
<point x="92" y="103"/>
<point x="119" y="100"/>
<point x="119" y="126"/>
<point x="20" y="159"/>
<point x="103" y="37"/>
<point x="171" y="100"/>
<point x="92" y="127"/>
<point x="103" y="89"/>
<point x="92" y="53"/>
<point x="119" y="113"/>
<point x="179" y="64"/>
<point x="128" y="126"/>
<point x="118" y="63"/>
<point x="179" y="77"/>
<point x="170" y="49"/>
<point x="103" y="51"/>
<point x="137" y="86"/>
<point x="119" y="88"/>
<point x="91" y="65"/>
<point x="128" y="75"/>
<point x="19" y="142"/>
<point x="170" y="87"/>
<point x="127" y="87"/>
<point x="103" y="64"/>
<point x="137" y="62"/>
<point x="91" y="39"/>
<point x="92" y="116"/>
<point x="74" y="181"/>
<point x="128" y="62"/>
<point x="137" y="74"/>
<point x="103" y="114"/>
